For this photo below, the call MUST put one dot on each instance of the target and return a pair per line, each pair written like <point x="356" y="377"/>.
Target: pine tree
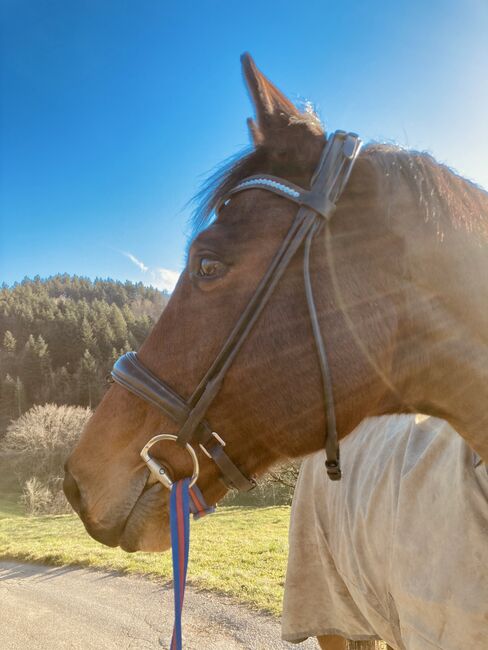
<point x="36" y="366"/>
<point x="42" y="351"/>
<point x="88" y="340"/>
<point x="64" y="386"/>
<point x="9" y="343"/>
<point x="114" y="355"/>
<point x="31" y="368"/>
<point x="8" y="363"/>
<point x="119" y="326"/>
<point x="88" y="379"/>
<point x="87" y="337"/>
<point x="19" y="403"/>
<point x="12" y="401"/>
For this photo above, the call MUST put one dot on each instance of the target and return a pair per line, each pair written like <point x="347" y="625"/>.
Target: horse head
<point x="270" y="405"/>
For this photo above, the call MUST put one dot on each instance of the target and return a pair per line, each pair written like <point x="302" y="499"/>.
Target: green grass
<point x="238" y="551"/>
<point x="10" y="506"/>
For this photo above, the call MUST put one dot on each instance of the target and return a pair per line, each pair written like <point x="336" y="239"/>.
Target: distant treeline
<point x="60" y="336"/>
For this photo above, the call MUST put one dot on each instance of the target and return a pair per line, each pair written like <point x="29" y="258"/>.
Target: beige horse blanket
<point x="397" y="550"/>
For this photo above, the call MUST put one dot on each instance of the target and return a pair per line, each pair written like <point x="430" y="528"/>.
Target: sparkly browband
<point x="269" y="183"/>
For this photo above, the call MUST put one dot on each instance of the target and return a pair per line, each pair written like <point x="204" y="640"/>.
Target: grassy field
<point x="238" y="551"/>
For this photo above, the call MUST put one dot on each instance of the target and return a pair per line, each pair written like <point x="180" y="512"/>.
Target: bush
<point x="44" y="498"/>
<point x="36" y="447"/>
<point x="38" y="443"/>
<point x="274" y="489"/>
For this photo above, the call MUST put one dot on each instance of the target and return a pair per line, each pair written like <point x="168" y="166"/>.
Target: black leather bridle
<point x="316" y="207"/>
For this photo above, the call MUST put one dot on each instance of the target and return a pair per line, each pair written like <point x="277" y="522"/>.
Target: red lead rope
<point x="183" y="500"/>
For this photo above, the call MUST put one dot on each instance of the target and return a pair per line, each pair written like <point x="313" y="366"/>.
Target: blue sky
<point x="112" y="112"/>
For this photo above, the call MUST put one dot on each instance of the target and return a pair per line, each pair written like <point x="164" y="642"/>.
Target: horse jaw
<point x="147" y="527"/>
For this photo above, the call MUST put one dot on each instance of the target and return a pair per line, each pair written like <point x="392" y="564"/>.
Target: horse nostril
<point x="71" y="490"/>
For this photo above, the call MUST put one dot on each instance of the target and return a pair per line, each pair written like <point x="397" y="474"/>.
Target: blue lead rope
<point x="183" y="500"/>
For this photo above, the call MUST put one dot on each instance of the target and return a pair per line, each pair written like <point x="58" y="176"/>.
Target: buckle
<point x="333" y="469"/>
<point x="220" y="440"/>
<point x="231" y="475"/>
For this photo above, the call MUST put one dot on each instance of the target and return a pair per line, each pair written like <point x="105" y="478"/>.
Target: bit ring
<point x="159" y="471"/>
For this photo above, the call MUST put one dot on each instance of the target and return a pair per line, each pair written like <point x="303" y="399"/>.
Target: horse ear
<point x="254" y="132"/>
<point x="292" y="141"/>
<point x="273" y="109"/>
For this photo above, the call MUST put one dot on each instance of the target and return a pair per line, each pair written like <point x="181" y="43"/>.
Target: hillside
<point x="60" y="336"/>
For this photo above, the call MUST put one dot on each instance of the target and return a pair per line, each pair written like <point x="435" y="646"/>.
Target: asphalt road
<point x="51" y="608"/>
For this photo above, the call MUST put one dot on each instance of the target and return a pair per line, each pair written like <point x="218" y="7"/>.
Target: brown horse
<point x="400" y="280"/>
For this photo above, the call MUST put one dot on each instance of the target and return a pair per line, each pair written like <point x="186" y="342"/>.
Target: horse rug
<point x="397" y="550"/>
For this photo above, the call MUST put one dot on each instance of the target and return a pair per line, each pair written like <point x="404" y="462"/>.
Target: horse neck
<point x="442" y="354"/>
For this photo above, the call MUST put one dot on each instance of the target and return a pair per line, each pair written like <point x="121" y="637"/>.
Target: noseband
<point x="315" y="207"/>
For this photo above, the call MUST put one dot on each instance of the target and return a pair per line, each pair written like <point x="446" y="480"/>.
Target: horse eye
<point x="209" y="268"/>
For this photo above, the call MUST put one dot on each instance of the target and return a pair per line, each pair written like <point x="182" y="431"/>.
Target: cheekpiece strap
<point x="327" y="184"/>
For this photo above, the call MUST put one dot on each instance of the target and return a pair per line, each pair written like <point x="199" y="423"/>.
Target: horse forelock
<point x="218" y="183"/>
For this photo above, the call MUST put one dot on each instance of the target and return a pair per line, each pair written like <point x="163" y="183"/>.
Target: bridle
<point x="316" y="207"/>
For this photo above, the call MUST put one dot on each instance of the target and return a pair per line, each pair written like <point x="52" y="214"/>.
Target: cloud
<point x="135" y="261"/>
<point x="164" y="279"/>
<point x="161" y="278"/>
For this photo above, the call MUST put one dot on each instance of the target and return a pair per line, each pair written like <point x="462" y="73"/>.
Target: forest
<point x="60" y="336"/>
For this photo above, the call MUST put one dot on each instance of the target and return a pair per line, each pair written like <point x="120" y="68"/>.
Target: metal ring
<point x="159" y="471"/>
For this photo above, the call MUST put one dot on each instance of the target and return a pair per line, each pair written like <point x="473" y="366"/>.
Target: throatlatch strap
<point x="183" y="500"/>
